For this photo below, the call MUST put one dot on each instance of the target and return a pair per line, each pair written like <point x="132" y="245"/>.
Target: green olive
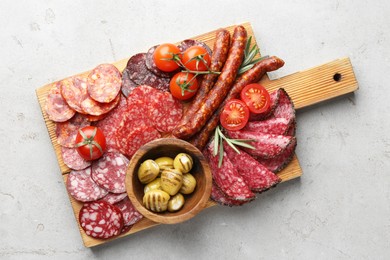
<point x="148" y="171"/>
<point x="189" y="184"/>
<point x="183" y="162"/>
<point x="176" y="202"/>
<point x="156" y="200"/>
<point x="164" y="163"/>
<point x="153" y="185"/>
<point x="171" y="181"/>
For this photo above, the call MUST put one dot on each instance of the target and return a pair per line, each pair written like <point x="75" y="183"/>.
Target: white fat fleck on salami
<point x="129" y="212"/>
<point x="82" y="188"/>
<point x="101" y="220"/>
<point x="151" y="65"/>
<point x="113" y="198"/>
<point x="109" y="172"/>
<point x="66" y="132"/>
<point x="73" y="160"/>
<point x="226" y="177"/>
<point x="92" y="107"/>
<point x="255" y="175"/>
<point x="56" y="107"/>
<point x="104" y="83"/>
<point x="266" y="145"/>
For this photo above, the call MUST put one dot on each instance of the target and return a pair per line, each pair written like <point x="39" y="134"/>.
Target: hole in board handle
<point x="337" y="77"/>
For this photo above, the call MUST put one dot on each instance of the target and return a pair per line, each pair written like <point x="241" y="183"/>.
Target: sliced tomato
<point x="183" y="85"/>
<point x="196" y="58"/>
<point x="256" y="97"/>
<point x="234" y="115"/>
<point x="166" y="56"/>
<point x="90" y="143"/>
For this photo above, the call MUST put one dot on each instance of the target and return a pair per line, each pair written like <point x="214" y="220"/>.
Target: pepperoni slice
<point x="104" y="83"/>
<point x="73" y="93"/>
<point x="130" y="214"/>
<point x="56" y="107"/>
<point x="100" y="219"/>
<point x="92" y="107"/>
<point x="66" y="132"/>
<point x="73" y="160"/>
<point x="82" y="188"/>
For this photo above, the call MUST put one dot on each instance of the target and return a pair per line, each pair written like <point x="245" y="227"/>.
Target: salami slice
<point x="92" y="107"/>
<point x="104" y="83"/>
<point x="255" y="175"/>
<point x="266" y="145"/>
<point x="139" y="73"/>
<point x="129" y="212"/>
<point x="226" y="177"/>
<point x="66" y="132"/>
<point x="274" y="99"/>
<point x="292" y="129"/>
<point x="218" y="196"/>
<point x="109" y="172"/>
<point x="113" y="198"/>
<point x="56" y="107"/>
<point x="184" y="45"/>
<point x="272" y="125"/>
<point x="285" y="107"/>
<point x="82" y="188"/>
<point x="127" y="84"/>
<point x="279" y="162"/>
<point x="151" y="65"/>
<point x="73" y="160"/>
<point x="100" y="219"/>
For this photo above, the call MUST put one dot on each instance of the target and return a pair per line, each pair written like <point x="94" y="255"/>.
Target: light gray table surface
<point x="338" y="209"/>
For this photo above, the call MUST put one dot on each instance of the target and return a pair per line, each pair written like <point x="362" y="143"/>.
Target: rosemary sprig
<point x="219" y="137"/>
<point x="249" y="55"/>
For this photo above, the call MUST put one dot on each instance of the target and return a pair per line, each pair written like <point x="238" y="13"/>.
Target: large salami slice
<point x="285" y="107"/>
<point x="218" y="196"/>
<point x="73" y="160"/>
<point x="104" y="83"/>
<point x="151" y="65"/>
<point x="130" y="214"/>
<point x="255" y="175"/>
<point x="266" y="145"/>
<point x="226" y="177"/>
<point x="73" y="93"/>
<point x="100" y="219"/>
<point x="272" y="125"/>
<point x="66" y="132"/>
<point x="56" y="107"/>
<point x="113" y="198"/>
<point x="95" y="108"/>
<point x="139" y="73"/>
<point x="81" y="186"/>
<point x="109" y="172"/>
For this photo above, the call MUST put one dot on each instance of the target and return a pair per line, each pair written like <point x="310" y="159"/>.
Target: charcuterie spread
<point x="204" y="93"/>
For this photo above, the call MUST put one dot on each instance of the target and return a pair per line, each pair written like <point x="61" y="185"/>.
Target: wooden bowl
<point x="194" y="202"/>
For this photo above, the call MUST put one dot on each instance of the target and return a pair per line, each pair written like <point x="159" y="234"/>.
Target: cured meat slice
<point x="143" y="93"/>
<point x="279" y="162"/>
<point x="73" y="93"/>
<point x="126" y="229"/>
<point x="113" y="198"/>
<point x="255" y="175"/>
<point x="127" y="84"/>
<point x="82" y="188"/>
<point x="272" y="125"/>
<point x="66" y="132"/>
<point x="165" y="111"/>
<point x="100" y="219"/>
<point x="151" y="65"/>
<point x="184" y="45"/>
<point x="139" y="73"/>
<point x="218" y="196"/>
<point x="292" y="129"/>
<point x="92" y="118"/>
<point x="92" y="107"/>
<point x="274" y="99"/>
<point x="130" y="141"/>
<point x="226" y="177"/>
<point x="109" y="172"/>
<point x="266" y="145"/>
<point x="104" y="83"/>
<point x="285" y="107"/>
<point x="129" y="212"/>
<point x="73" y="160"/>
<point x="56" y="107"/>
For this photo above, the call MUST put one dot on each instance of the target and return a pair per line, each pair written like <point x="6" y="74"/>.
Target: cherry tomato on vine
<point x="90" y="143"/>
<point x="256" y="97"/>
<point x="183" y="85"/>
<point x="165" y="57"/>
<point x="235" y="115"/>
<point x="196" y="58"/>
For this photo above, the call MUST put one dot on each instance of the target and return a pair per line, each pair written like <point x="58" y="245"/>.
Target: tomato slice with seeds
<point x="256" y="97"/>
<point x="234" y="115"/>
<point x="90" y="143"/>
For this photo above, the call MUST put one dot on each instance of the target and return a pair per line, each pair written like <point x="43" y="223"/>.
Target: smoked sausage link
<point x="251" y="76"/>
<point x="218" y="59"/>
<point x="221" y="88"/>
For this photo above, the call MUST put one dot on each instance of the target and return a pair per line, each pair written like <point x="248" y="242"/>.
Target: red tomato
<point x="90" y="142"/>
<point x="165" y="57"/>
<point x="256" y="97"/>
<point x="234" y="115"/>
<point x="196" y="58"/>
<point x="183" y="85"/>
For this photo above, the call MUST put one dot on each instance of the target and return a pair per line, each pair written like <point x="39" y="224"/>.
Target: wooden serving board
<point x="305" y="88"/>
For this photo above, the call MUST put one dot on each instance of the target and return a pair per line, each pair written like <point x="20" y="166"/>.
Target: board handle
<point x="317" y="84"/>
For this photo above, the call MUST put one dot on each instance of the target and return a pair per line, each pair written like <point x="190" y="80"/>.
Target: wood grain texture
<point x="305" y="88"/>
